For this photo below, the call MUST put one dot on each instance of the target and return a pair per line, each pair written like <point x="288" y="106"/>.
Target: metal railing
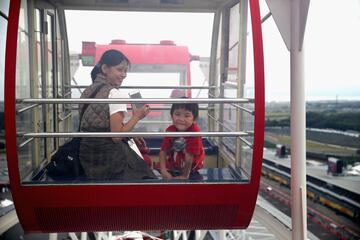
<point x="232" y="101"/>
<point x="152" y="87"/>
<point x="133" y="134"/>
<point x="228" y="128"/>
<point x="130" y="100"/>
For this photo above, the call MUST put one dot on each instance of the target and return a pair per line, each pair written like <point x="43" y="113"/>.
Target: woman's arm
<point x="117" y="121"/>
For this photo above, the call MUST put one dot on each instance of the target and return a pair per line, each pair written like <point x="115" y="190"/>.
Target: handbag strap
<point x="92" y="95"/>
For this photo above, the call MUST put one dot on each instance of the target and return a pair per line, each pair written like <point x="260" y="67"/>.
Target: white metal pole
<point x="53" y="236"/>
<point x="83" y="236"/>
<point x="222" y="234"/>
<point x="298" y="133"/>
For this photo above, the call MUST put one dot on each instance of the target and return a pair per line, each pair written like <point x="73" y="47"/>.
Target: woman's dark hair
<point x="109" y="58"/>
<point x="191" y="107"/>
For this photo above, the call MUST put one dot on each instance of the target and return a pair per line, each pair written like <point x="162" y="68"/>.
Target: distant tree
<point x="343" y="121"/>
<point x="350" y="160"/>
<point x="278" y="123"/>
<point x="338" y="121"/>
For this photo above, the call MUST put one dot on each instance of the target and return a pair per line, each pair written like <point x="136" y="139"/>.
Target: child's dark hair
<point x="192" y="107"/>
<point x="110" y="58"/>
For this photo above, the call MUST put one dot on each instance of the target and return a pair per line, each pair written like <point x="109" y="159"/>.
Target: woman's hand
<point x="140" y="113"/>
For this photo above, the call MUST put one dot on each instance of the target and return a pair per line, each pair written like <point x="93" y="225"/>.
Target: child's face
<point x="182" y="119"/>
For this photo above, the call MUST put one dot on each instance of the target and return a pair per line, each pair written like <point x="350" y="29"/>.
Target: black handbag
<point x="65" y="163"/>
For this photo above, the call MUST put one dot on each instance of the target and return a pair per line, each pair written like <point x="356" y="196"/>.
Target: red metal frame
<point x="76" y="208"/>
<point x="165" y="53"/>
<point x="149" y="53"/>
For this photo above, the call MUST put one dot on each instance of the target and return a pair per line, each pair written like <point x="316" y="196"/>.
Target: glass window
<point x="4" y="7"/>
<point x="3" y="27"/>
<point x="237" y="82"/>
<point x="182" y="60"/>
<point x="247" y="119"/>
<point x="38" y="84"/>
<point x="3" y="168"/>
<point x="50" y="80"/>
<point x="23" y="91"/>
<point x="157" y="120"/>
<point x="231" y="72"/>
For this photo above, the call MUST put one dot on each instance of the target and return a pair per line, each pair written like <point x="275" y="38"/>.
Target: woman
<point x="110" y="158"/>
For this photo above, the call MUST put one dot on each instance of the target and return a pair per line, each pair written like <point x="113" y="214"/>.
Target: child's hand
<point x="141" y="144"/>
<point x="181" y="177"/>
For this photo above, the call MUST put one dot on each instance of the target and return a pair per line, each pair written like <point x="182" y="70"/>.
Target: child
<point x="181" y="156"/>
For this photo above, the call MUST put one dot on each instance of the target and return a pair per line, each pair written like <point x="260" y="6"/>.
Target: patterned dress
<point x="101" y="158"/>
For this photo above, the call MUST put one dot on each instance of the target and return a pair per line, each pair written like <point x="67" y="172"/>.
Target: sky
<point x="193" y="30"/>
<point x="185" y="29"/>
<point x="333" y="49"/>
<point x="332" y="53"/>
<point x="331" y="44"/>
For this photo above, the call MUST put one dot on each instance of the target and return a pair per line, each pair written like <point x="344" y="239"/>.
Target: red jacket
<point x="174" y="160"/>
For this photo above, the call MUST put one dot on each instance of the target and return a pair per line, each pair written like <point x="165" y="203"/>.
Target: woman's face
<point x="116" y="74"/>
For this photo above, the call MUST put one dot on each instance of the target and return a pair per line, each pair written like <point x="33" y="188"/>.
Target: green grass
<point x="277" y="115"/>
<point x="310" y="145"/>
